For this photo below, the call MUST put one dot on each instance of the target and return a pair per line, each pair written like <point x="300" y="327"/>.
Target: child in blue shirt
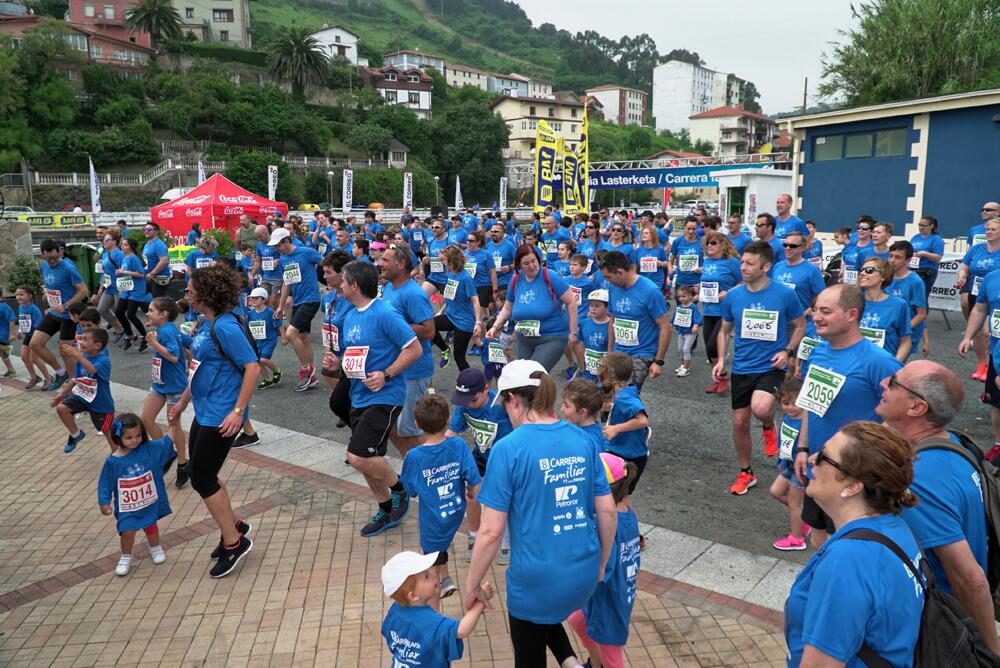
<point x="787" y="488"/>
<point x="686" y="322"/>
<point x="417" y="635"/>
<point x="592" y="335"/>
<point x="90" y="388"/>
<point x="265" y="330"/>
<point x="191" y="318"/>
<point x="602" y="624"/>
<point x="442" y="474"/>
<point x="131" y="486"/>
<point x="492" y="352"/>
<point x="28" y="317"/>
<point x="628" y="423"/>
<point x="582" y="401"/>
<point x="8" y="331"/>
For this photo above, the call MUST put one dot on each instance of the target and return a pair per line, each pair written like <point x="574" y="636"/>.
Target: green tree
<point x="159" y="18"/>
<point x="468" y="138"/>
<point x="295" y="56"/>
<point x="249" y="170"/>
<point x="749" y="97"/>
<point x="119" y="111"/>
<point x="897" y="51"/>
<point x="369" y="138"/>
<point x="56" y="9"/>
<point x="407" y="128"/>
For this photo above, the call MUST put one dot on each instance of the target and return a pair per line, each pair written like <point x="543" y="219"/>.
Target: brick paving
<point x="309" y="592"/>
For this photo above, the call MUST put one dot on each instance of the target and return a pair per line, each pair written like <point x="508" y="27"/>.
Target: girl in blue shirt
<point x="462" y="313"/>
<point x="130" y="280"/>
<point x="686" y="255"/>
<point x="618" y="242"/>
<point x="627" y="428"/>
<point x="928" y="249"/>
<point x="886" y="320"/>
<point x="565" y="252"/>
<point x="480" y="266"/>
<point x="719" y="274"/>
<point x="28" y="317"/>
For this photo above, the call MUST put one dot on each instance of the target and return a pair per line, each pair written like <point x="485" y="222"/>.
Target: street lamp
<point x="437" y="193"/>
<point x="329" y="188"/>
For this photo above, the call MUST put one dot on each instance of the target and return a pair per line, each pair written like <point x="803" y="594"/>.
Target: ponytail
<point x="544" y="401"/>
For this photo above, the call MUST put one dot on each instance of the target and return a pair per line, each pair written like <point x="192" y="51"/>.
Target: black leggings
<point x="340" y="399"/>
<point x="530" y="640"/>
<point x="443" y="324"/>
<point x="127" y="316"/>
<point x="710" y="325"/>
<point x="485" y="294"/>
<point x="207" y="452"/>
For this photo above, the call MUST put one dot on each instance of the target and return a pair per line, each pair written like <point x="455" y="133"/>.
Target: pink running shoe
<point x="789" y="544"/>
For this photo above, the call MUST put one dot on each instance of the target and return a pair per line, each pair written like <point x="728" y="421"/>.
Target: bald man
<point x="785" y="221"/>
<point x="919" y="401"/>
<point x="551" y="238"/>
<point x="977" y="233"/>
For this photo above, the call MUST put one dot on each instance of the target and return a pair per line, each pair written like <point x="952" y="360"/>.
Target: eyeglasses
<point x="107" y="239"/>
<point x="868" y="270"/>
<point x="792" y="245"/>
<point x="823" y="458"/>
<point x="714" y="242"/>
<point x="894" y="383"/>
<point x="864" y="228"/>
<point x="618" y="229"/>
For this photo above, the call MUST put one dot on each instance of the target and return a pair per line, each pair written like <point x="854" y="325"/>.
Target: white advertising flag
<point x="95" y="189"/>
<point x="503" y="193"/>
<point x="458" y="194"/>
<point x="272" y="181"/>
<point x="348" y="190"/>
<point x="201" y="172"/>
<point x="408" y="189"/>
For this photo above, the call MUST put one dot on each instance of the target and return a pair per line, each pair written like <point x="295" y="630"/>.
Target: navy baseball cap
<point x="470" y="383"/>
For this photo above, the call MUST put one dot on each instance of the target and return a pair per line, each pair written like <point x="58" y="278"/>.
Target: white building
<point x="336" y="41"/>
<point x="410" y="88"/>
<point x="681" y="90"/>
<point x="621" y="105"/>
<point x="537" y="87"/>
<point x="413" y="59"/>
<point x="732" y="130"/>
<point x="462" y="75"/>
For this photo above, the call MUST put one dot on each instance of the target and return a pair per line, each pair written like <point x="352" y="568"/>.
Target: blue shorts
<point x="492" y="370"/>
<point x="171" y="397"/>
<point x="787" y="470"/>
<point x="266" y="348"/>
<point x="406" y="425"/>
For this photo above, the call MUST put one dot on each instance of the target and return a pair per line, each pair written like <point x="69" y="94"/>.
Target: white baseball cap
<point x="277" y="236"/>
<point x="598" y="296"/>
<point x="402" y="566"/>
<point x="518" y="374"/>
<point x="259" y="292"/>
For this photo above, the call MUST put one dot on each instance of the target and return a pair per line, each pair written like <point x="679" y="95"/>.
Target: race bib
<point x="688" y="262"/>
<point x="577" y="295"/>
<point x="124" y="284"/>
<point x="592" y="360"/>
<point x="648" y="264"/>
<point x="331" y="338"/>
<point x="995" y="323"/>
<point x="85" y="388"/>
<point x="470" y="268"/>
<point x="551" y="247"/>
<point x="496" y="354"/>
<point x="451" y="289"/>
<point x="193" y="368"/>
<point x="437" y="266"/>
<point x="851" y="276"/>
<point x="258" y="329"/>
<point x="53" y="297"/>
<point x="203" y="262"/>
<point x="99" y="267"/>
<point x="875" y="335"/>
<point x="418" y="235"/>
<point x="291" y="275"/>
<point x="590" y="265"/>
<point x="156" y="364"/>
<point x="136" y="493"/>
<point x="267" y="263"/>
<point x="819" y="389"/>
<point x="24" y="323"/>
<point x="321" y="248"/>
<point x="528" y="328"/>
<point x="483" y="432"/>
<point x="354" y="362"/>
<point x="105" y="281"/>
<point x="682" y="317"/>
<point x="979" y="239"/>
<point x="627" y="332"/>
<point x="759" y="325"/>
<point x="497" y="262"/>
<point x="187" y="328"/>
<point x="977" y="282"/>
<point x="806" y="346"/>
<point x="788" y="435"/>
<point x="238" y="256"/>
<point x="915" y="262"/>
<point x="709" y="292"/>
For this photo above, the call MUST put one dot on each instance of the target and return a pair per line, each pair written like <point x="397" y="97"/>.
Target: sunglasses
<point x="761" y="225"/>
<point x="107" y="239"/>
<point x="618" y="229"/>
<point x="436" y="227"/>
<point x="894" y="383"/>
<point x="868" y="270"/>
<point x="714" y="242"/>
<point x="590" y="227"/>
<point x="985" y="208"/>
<point x="792" y="245"/>
<point x="149" y="229"/>
<point x="823" y="458"/>
<point x="864" y="228"/>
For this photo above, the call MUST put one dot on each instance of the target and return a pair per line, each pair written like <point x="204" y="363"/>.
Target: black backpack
<point x="948" y="636"/>
<point x="246" y="332"/>
<point x="989" y="481"/>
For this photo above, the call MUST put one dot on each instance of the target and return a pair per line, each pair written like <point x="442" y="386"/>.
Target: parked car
<point x="17" y="210"/>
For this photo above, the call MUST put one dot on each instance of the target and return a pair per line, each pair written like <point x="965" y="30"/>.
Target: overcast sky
<point x="774" y="43"/>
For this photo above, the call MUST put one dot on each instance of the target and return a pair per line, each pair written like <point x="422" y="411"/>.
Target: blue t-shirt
<point x="869" y="252"/>
<point x="683" y="253"/>
<point x="724" y="273"/>
<point x="489" y="423"/>
<point x="192" y="237"/>
<point x="741" y="241"/>
<point x="581" y="287"/>
<point x="6" y="318"/>
<point x="647" y="260"/>
<point x="533" y="299"/>
<point x="110" y="263"/>
<point x="989" y="294"/>
<point x="335" y="308"/>
<point x="415" y="306"/>
<point x="815" y="250"/>
<point x="478" y="264"/>
<point x="977" y="234"/>
<point x="853" y="254"/>
<point x="790" y="224"/>
<point x="216" y="383"/>
<point x="857" y="591"/>
<point x="913" y="292"/>
<point x="138" y="292"/>
<point x="372" y="339"/>
<point x="153" y="251"/>
<point x="887" y="321"/>
<point x="594" y="337"/>
<point x="28" y="318"/>
<point x="438" y="475"/>
<point x="505" y="251"/>
<point x="779" y="252"/>
<point x="60" y="284"/>
<point x="595" y="432"/>
<point x="635" y="310"/>
<point x="548" y="494"/>
<point x="626" y="249"/>
<point x="298" y="270"/>
<point x="100" y="381"/>
<point x="133" y="484"/>
<point x="950" y="508"/>
<point x="804" y="278"/>
<point x="264" y="329"/>
<point x="865" y="366"/>
<point x="788" y="438"/>
<point x="689" y="313"/>
<point x="420" y="637"/>
<point x="173" y="375"/>
<point x="434" y="248"/>
<point x="459" y="291"/>
<point x="269" y="257"/>
<point x="561" y="267"/>
<point x="457" y="236"/>
<point x="608" y="611"/>
<point x="198" y="260"/>
<point x="626" y="405"/>
<point x="932" y="243"/>
<point x="760" y="324"/>
<point x="550" y="241"/>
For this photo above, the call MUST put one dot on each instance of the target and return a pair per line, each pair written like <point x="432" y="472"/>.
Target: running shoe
<point x="980" y="372"/>
<point x="157" y="554"/>
<point x="116" y="336"/>
<point x="789" y="544"/>
<point x="744" y="481"/>
<point x="806" y="530"/>
<point x="711" y="389"/>
<point x="572" y="371"/>
<point x="379" y="523"/>
<point x="182" y="475"/>
<point x="243" y="527"/>
<point x="58" y="381"/>
<point x="307" y="382"/>
<point x="244" y="439"/>
<point x="503" y="558"/>
<point x="678" y="368"/>
<point x="468" y="549"/>
<point x="143" y="346"/>
<point x="264" y="384"/>
<point x="448" y="587"/>
<point x="770" y="440"/>
<point x="71" y="442"/>
<point x="683" y="372"/>
<point x="475" y="350"/>
<point x="276" y="377"/>
<point x="230" y="557"/>
<point x="124" y="564"/>
<point x="994" y="454"/>
<point x="400" y="507"/>
<point x="10" y="374"/>
<point x="126" y="342"/>
<point x="32" y="383"/>
<point x="723" y="385"/>
<point x="642" y="542"/>
<point x="445" y="358"/>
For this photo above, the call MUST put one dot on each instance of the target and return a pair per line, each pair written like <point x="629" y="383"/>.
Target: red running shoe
<point x="770" y="441"/>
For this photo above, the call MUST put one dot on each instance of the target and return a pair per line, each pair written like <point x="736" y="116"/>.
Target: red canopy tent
<point x="216" y="203"/>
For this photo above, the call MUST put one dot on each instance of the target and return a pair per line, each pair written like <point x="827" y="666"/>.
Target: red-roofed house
<point x="106" y="18"/>
<point x="408" y="87"/>
<point x="732" y="130"/>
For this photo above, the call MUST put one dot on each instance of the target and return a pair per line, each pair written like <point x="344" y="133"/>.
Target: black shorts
<point x="814" y="516"/>
<point x="442" y="558"/>
<point x="438" y="286"/>
<point x="51" y="324"/>
<point x="101" y="421"/>
<point x="743" y="385"/>
<point x="26" y="341"/>
<point x="302" y="316"/>
<point x="370" y="427"/>
<point x="640" y="466"/>
<point x="991" y="393"/>
<point x="485" y="293"/>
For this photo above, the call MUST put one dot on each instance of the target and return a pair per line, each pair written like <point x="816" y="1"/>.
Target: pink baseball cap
<point x="378" y="245"/>
<point x="614" y="467"/>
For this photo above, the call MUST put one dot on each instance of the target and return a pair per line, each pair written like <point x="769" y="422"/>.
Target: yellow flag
<point x="583" y="168"/>
<point x="546" y="147"/>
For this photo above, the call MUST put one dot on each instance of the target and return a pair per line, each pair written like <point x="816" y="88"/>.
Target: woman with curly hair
<point x="222" y="376"/>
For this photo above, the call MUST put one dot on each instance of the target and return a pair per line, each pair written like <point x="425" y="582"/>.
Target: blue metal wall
<point x="835" y="192"/>
<point x="963" y="167"/>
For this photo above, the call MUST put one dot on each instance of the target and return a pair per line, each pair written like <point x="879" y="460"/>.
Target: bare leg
<point x="378" y="474"/>
<point x="67" y="419"/>
<point x="39" y="350"/>
<point x="127" y="541"/>
<point x="741" y="436"/>
<point x="151" y="408"/>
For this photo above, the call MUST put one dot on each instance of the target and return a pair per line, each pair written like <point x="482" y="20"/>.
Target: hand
<point x="488" y="590"/>
<point x="492" y="334"/>
<point x="475" y="594"/>
<point x="150" y="336"/>
<point x="779" y="360"/>
<point x="801" y="464"/>
<point x="331" y="362"/>
<point x="106" y="510"/>
<point x="963" y="347"/>
<point x="960" y="282"/>
<point x="58" y="309"/>
<point x="718" y="371"/>
<point x="925" y="347"/>
<point x="655" y="370"/>
<point x="56" y="400"/>
<point x="610" y="431"/>
<point x="279" y="313"/>
<point x="120" y="272"/>
<point x="231" y="425"/>
<point x="148" y="277"/>
<point x="174" y="414"/>
<point x="70" y="350"/>
<point x="572" y="338"/>
<point x="375" y="381"/>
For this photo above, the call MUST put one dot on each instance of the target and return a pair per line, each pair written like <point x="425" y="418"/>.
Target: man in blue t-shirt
<point x="797" y="273"/>
<point x="950" y="519"/>
<point x="740" y="239"/>
<point x="909" y="287"/>
<point x="378" y="347"/>
<point x="640" y="327"/>
<point x="503" y="251"/>
<point x="785" y="222"/>
<point x="63" y="286"/>
<point x="267" y="265"/>
<point x="299" y="280"/>
<point x="157" y="258"/>
<point x="551" y="238"/>
<point x="766" y="322"/>
<point x="977" y="233"/>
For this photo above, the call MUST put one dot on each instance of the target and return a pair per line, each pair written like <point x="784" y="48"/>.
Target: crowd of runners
<point x="545" y="478"/>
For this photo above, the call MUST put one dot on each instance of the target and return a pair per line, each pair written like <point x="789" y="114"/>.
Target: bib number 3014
<point x="819" y="390"/>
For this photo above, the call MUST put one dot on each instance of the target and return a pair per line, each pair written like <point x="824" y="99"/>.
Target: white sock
<point x="76" y="435"/>
<point x="472" y="534"/>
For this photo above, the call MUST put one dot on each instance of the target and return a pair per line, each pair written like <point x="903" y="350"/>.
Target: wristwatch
<point x="386" y="376"/>
<point x="238" y="410"/>
<point x="790" y="352"/>
<point x="658" y="362"/>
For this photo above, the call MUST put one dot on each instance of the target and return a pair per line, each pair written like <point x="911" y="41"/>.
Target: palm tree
<point x="294" y="55"/>
<point x="157" y="17"/>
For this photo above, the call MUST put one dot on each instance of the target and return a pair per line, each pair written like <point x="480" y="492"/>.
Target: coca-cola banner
<point x="348" y="190"/>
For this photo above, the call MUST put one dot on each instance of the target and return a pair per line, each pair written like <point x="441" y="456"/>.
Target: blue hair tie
<point x="117" y="424"/>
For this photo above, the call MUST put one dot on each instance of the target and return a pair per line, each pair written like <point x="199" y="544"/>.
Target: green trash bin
<point x="82" y="256"/>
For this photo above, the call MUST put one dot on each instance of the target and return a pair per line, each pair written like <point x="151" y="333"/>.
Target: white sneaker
<point x="678" y="369"/>
<point x="504" y="557"/>
<point x="468" y="550"/>
<point x="124" y="564"/>
<point x="682" y="372"/>
<point x="448" y="587"/>
<point x="157" y="553"/>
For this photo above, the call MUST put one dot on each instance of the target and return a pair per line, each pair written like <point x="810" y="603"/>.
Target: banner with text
<point x="348" y="190"/>
<point x="666" y="177"/>
<point x="545" y="167"/>
<point x="571" y="204"/>
<point x="272" y="181"/>
<point x="583" y="197"/>
<point x="408" y="189"/>
<point x="503" y="193"/>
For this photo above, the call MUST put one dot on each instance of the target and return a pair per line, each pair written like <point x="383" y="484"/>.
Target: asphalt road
<point x="691" y="464"/>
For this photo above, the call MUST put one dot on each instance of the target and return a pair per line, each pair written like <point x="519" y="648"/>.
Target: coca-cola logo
<point x="268" y="209"/>
<point x="239" y="199"/>
<point x="167" y="213"/>
<point x="233" y="211"/>
<point x="194" y="211"/>
<point x="187" y="201"/>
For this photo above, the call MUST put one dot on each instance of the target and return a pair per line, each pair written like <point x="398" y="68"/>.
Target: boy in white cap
<point x="265" y="330"/>
<point x="415" y="633"/>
